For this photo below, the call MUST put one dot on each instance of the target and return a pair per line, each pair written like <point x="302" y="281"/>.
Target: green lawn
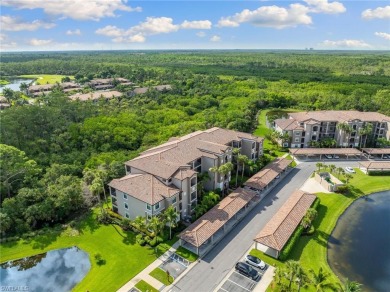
<point x="145" y="287"/>
<point x="263" y="130"/>
<point x="185" y="253"/>
<point x="122" y="257"/>
<point x="4" y="82"/>
<point x="162" y="276"/>
<point x="46" y="79"/>
<point x="311" y="251"/>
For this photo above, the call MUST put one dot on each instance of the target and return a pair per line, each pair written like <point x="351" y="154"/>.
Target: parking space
<point x="237" y="282"/>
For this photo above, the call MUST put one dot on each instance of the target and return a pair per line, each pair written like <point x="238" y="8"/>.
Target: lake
<point x="15" y="83"/>
<point x="57" y="270"/>
<point x="359" y="247"/>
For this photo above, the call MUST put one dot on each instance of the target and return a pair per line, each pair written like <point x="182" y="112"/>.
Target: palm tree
<point x="305" y="222"/>
<point x="236" y="152"/>
<point x="332" y="168"/>
<point x="170" y="216"/>
<point x="243" y="159"/>
<point x="311" y="213"/>
<point x="290" y="271"/>
<point x="285" y="137"/>
<point x="344" y="127"/>
<point x="201" y="180"/>
<point x="301" y="278"/>
<point x="348" y="176"/>
<point x="23" y="87"/>
<point x="319" y="165"/>
<point x="214" y="170"/>
<point x="156" y="224"/>
<point x="340" y="170"/>
<point x="319" y="280"/>
<point x="350" y="286"/>
<point x="364" y="132"/>
<point x="139" y="223"/>
<point x="8" y="94"/>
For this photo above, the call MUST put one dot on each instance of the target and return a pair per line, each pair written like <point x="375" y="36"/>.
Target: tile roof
<point x="288" y="124"/>
<point x="184" y="173"/>
<point x="207" y="225"/>
<point x="261" y="179"/>
<point x="165" y="159"/>
<point x="279" y="229"/>
<point x="318" y="151"/>
<point x="144" y="187"/>
<point x="376" y="150"/>
<point x="142" y="90"/>
<point x="96" y="95"/>
<point x="339" y="116"/>
<point x="375" y="164"/>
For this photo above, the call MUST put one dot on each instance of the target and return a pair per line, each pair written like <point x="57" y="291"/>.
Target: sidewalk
<point x="144" y="274"/>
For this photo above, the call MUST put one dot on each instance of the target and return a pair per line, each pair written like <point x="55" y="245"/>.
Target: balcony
<point x="193" y="196"/>
<point x="193" y="188"/>
<point x="114" y="201"/>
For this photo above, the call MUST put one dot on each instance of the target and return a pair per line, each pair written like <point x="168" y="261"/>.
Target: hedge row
<point x="290" y="243"/>
<point x="379" y="173"/>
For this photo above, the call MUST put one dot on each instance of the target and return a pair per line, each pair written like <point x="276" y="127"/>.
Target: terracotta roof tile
<point x="261" y="179"/>
<point x="144" y="187"/>
<point x="377" y="151"/>
<point x="339" y="116"/>
<point x="282" y="225"/>
<point x="318" y="151"/>
<point x="96" y="95"/>
<point x="375" y="165"/>
<point x="207" y="225"/>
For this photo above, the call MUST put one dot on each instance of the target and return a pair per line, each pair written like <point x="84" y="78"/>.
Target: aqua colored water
<point x="359" y="247"/>
<point x="57" y="270"/>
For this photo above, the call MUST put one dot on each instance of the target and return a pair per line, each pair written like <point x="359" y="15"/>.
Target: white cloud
<point x="9" y="23"/>
<point x="151" y="26"/>
<point x="5" y="43"/>
<point x="76" y="9"/>
<point x="73" y="32"/>
<point x="380" y="12"/>
<point x="346" y="44"/>
<point x="197" y="24"/>
<point x="384" y="35"/>
<point x="201" y="34"/>
<point x="270" y="16"/>
<point x="323" y="6"/>
<point x="215" y="38"/>
<point x="38" y="42"/>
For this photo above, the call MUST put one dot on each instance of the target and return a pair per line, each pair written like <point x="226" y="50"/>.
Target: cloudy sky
<point x="124" y="24"/>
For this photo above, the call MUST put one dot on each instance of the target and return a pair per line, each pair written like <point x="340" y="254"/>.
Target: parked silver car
<point x="254" y="261"/>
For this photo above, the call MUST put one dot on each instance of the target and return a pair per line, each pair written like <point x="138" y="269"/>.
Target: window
<point x="148" y="216"/>
<point x="354" y="127"/>
<point x="126" y="206"/>
<point x="180" y="196"/>
<point x="148" y="207"/>
<point x="297" y="133"/>
<point x="127" y="215"/>
<point x="157" y="206"/>
<point x="315" y="128"/>
<point x="314" y="137"/>
<point x="180" y="206"/>
<point x="174" y="200"/>
<point x="125" y="196"/>
<point x="296" y="139"/>
<point x="128" y="169"/>
<point x="113" y="192"/>
<point x="193" y="196"/>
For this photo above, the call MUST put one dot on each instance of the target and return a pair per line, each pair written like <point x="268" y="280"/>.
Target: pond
<point x="15" y="83"/>
<point x="57" y="270"/>
<point x="358" y="248"/>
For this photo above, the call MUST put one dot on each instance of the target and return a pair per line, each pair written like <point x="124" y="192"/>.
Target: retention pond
<point x="57" y="270"/>
<point x="359" y="247"/>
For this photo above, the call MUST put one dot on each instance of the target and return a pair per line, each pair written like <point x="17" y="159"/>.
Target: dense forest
<point x="58" y="154"/>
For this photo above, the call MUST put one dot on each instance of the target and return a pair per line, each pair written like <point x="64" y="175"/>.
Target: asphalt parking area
<point x="240" y="283"/>
<point x="175" y="265"/>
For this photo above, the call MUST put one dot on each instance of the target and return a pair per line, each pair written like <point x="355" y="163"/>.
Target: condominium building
<point x="305" y="127"/>
<point x="108" y="83"/>
<point x="168" y="174"/>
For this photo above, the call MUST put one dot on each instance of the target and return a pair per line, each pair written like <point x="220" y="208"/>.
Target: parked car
<point x="248" y="271"/>
<point x="349" y="169"/>
<point x="385" y="156"/>
<point x="328" y="156"/>
<point x="336" y="156"/>
<point x="254" y="261"/>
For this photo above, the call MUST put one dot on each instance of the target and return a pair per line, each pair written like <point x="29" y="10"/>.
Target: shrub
<point x="142" y="242"/>
<point x="342" y="189"/>
<point x="290" y="243"/>
<point x="147" y="239"/>
<point x="379" y="173"/>
<point x="153" y="242"/>
<point x="317" y="201"/>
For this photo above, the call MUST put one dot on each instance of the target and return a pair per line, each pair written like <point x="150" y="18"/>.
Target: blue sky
<point x="124" y="24"/>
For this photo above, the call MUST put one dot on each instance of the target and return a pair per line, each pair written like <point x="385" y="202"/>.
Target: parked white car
<point x="349" y="169"/>
<point x="336" y="157"/>
<point x="254" y="261"/>
<point x="328" y="156"/>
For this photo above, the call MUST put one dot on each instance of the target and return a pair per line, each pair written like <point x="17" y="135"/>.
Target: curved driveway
<point x="206" y="275"/>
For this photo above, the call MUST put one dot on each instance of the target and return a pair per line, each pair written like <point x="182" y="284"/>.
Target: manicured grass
<point x="4" y="82"/>
<point x="311" y="251"/>
<point x="263" y="130"/>
<point x="161" y="276"/>
<point x="145" y="287"/>
<point x="122" y="257"/>
<point x="46" y="79"/>
<point x="185" y="253"/>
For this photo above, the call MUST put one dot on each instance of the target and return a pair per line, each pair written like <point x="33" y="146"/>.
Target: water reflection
<point x="359" y="249"/>
<point x="58" y="270"/>
<point x="15" y="84"/>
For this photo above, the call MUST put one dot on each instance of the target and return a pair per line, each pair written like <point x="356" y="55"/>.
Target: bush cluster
<point x="379" y="173"/>
<point x="290" y="243"/>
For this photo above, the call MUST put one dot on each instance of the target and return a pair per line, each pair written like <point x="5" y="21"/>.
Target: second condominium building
<point x="304" y="127"/>
<point x="168" y="174"/>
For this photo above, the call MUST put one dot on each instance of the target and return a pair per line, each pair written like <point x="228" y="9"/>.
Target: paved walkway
<point x="144" y="274"/>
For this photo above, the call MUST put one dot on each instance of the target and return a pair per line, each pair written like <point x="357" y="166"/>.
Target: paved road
<point x="206" y="275"/>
